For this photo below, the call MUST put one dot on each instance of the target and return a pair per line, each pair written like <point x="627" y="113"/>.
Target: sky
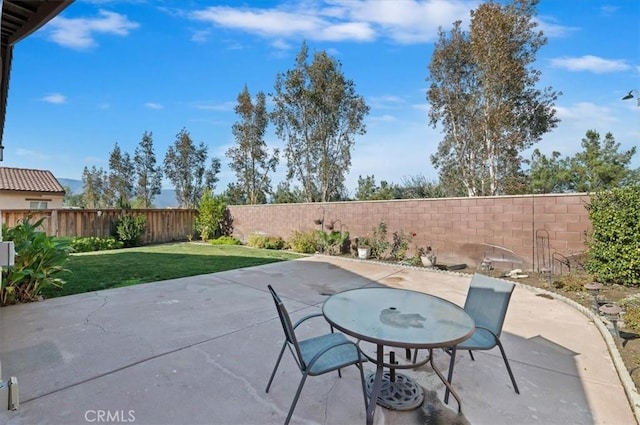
<point x="104" y="72"/>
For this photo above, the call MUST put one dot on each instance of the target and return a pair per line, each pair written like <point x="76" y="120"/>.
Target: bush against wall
<point x="304" y="242"/>
<point x="614" y="243"/>
<point x="130" y="228"/>
<point x="212" y="216"/>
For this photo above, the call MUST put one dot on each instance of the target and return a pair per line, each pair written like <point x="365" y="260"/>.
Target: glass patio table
<point x="403" y="319"/>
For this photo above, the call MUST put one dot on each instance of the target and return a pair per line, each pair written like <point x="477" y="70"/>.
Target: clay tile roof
<point x="26" y="180"/>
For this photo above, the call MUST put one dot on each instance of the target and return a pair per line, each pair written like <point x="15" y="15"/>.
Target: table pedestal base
<point x="402" y="394"/>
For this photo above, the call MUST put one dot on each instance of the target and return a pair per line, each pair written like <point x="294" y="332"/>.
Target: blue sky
<point x="107" y="71"/>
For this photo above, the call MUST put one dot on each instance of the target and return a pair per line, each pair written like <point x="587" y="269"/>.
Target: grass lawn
<point x="94" y="271"/>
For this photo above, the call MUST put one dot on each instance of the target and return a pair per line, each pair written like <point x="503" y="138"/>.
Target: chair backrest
<point x="487" y="301"/>
<point x="287" y="327"/>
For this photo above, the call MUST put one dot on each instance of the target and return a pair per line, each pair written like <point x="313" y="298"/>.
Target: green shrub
<point x="304" y="242"/>
<point x="211" y="218"/>
<point x="631" y="307"/>
<point x="39" y="259"/>
<point x="225" y="240"/>
<point x="379" y="242"/>
<point x="95" y="244"/>
<point x="399" y="245"/>
<point x="129" y="229"/>
<point x="614" y="243"/>
<point x="333" y="243"/>
<point x="572" y="282"/>
<point x="266" y="242"/>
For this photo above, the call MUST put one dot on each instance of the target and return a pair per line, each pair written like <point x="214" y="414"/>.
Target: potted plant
<point x="364" y="247"/>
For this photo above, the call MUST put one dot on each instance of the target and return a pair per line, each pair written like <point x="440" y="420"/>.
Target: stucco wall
<point x="514" y="231"/>
<point x="21" y="200"/>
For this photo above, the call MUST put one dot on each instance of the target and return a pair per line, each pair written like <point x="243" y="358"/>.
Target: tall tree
<point x="120" y="175"/>
<point x="249" y="156"/>
<point x="148" y="173"/>
<point x="285" y="194"/>
<point x="185" y="165"/>
<point x="549" y="174"/>
<point x="600" y="165"/>
<point x="368" y="190"/>
<point x="483" y="93"/>
<point x="317" y="112"/>
<point x="415" y="187"/>
<point x="72" y="199"/>
<point x="93" y="187"/>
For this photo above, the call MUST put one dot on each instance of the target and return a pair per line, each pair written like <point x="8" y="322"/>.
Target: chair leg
<point x="284" y="346"/>
<point x="364" y="386"/>
<point x="295" y="399"/>
<point x="506" y="363"/>
<point x="471" y="354"/>
<point x="450" y="375"/>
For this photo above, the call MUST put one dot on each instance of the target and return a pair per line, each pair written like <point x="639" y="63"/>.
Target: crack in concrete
<point x="88" y="318"/>
<point x="250" y="389"/>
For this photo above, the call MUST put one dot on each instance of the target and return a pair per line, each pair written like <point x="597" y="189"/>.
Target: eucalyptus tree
<point x="484" y="95"/>
<point x="120" y="180"/>
<point x="317" y="113"/>
<point x="185" y="165"/>
<point x="249" y="156"/>
<point x="94" y="181"/>
<point x="149" y="175"/>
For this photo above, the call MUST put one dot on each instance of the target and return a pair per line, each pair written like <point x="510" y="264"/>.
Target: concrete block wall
<point x="514" y="231"/>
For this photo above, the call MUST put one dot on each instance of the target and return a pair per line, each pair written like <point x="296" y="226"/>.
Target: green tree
<point x="601" y="166"/>
<point x="211" y="215"/>
<point x="317" y="112"/>
<point x="368" y="190"/>
<point x="120" y="180"/>
<point x="149" y="175"/>
<point x="93" y="187"/>
<point x="72" y="199"/>
<point x="284" y="194"/>
<point x="418" y="187"/>
<point x="549" y="175"/>
<point x="249" y="156"/>
<point x="235" y="195"/>
<point x="185" y="166"/>
<point x="484" y="95"/>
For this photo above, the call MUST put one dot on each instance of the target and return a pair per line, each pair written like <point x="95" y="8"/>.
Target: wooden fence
<point x="163" y="225"/>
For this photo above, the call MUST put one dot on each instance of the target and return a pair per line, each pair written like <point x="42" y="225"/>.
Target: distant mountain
<point x="166" y="199"/>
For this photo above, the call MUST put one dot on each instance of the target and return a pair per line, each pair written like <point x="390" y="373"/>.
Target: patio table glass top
<point x="398" y="318"/>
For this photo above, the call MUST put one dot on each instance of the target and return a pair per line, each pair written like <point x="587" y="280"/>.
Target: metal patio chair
<point x="487" y="302"/>
<point x="315" y="356"/>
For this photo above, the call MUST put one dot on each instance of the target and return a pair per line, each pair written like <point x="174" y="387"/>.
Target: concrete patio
<point x="199" y="350"/>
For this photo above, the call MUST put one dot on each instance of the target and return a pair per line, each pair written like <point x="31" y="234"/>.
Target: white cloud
<point x="79" y="33"/>
<point x="55" y="98"/>
<point x="592" y="115"/>
<point x="405" y="22"/>
<point x="222" y="107"/>
<point x="590" y="63"/>
<point x="152" y="105"/>
<point x="200" y="36"/>
<point x="551" y="29"/>
<point x="383" y="118"/>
